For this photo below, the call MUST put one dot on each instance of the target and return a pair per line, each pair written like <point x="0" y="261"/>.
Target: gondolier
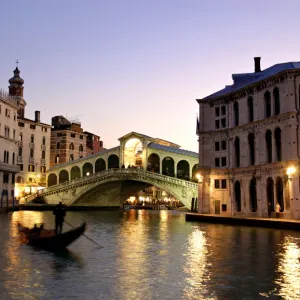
<point x="60" y="213"/>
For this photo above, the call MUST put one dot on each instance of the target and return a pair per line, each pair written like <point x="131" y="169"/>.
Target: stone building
<point x="33" y="144"/>
<point x="8" y="148"/>
<point x="93" y="143"/>
<point x="249" y="144"/>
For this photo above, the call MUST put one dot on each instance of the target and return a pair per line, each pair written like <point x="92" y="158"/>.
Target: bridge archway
<point x="100" y="165"/>
<point x="113" y="161"/>
<point x="168" y="166"/>
<point x="87" y="169"/>
<point x="133" y="152"/>
<point x="63" y="176"/>
<point x="153" y="163"/>
<point x="75" y="172"/>
<point x="183" y="170"/>
<point x="52" y="179"/>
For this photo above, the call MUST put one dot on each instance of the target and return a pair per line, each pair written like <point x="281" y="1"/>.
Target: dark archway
<point x="270" y="195"/>
<point x="183" y="170"/>
<point x="279" y="193"/>
<point x="195" y="171"/>
<point x="153" y="163"/>
<point x="277" y="135"/>
<point x="113" y="162"/>
<point x="251" y="142"/>
<point x="250" y="109"/>
<point x="237" y="151"/>
<point x="237" y="196"/>
<point x="75" y="172"/>
<point x="276" y="101"/>
<point x="52" y="179"/>
<point x="168" y="166"/>
<point x="87" y="169"/>
<point x="236" y="113"/>
<point x="100" y="165"/>
<point x="268" y="138"/>
<point x="63" y="176"/>
<point x="267" y="97"/>
<point x="253" y="195"/>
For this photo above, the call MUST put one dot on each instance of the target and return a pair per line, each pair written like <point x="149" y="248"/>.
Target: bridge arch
<point x="87" y="169"/>
<point x="153" y="163"/>
<point x="113" y="161"/>
<point x="168" y="166"/>
<point x="63" y="176"/>
<point x="75" y="172"/>
<point x="183" y="170"/>
<point x="100" y="165"/>
<point x="52" y="179"/>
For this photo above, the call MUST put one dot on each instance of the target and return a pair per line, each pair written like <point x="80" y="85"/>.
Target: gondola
<point x="47" y="239"/>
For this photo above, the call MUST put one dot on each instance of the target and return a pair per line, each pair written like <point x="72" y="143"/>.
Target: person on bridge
<point x="60" y="213"/>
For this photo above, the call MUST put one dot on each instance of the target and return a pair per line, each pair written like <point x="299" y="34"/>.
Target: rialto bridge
<point x="111" y="176"/>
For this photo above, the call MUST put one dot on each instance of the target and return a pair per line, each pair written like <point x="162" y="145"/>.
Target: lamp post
<point x="200" y="192"/>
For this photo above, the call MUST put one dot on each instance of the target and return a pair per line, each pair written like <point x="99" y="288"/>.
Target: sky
<point x="134" y="65"/>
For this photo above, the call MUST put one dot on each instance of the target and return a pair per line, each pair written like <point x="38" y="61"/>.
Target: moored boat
<point x="48" y="240"/>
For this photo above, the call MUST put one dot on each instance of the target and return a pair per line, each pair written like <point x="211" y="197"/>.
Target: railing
<point x="116" y="172"/>
<point x="31" y="145"/>
<point x="31" y="161"/>
<point x="43" y="162"/>
<point x="20" y="144"/>
<point x="43" y="147"/>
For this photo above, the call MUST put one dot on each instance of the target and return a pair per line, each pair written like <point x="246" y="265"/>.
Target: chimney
<point x="257" y="64"/>
<point x="37" y="116"/>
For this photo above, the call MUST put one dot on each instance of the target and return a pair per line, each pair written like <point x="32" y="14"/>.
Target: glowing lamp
<point x="290" y="171"/>
<point x="199" y="177"/>
<point x="87" y="173"/>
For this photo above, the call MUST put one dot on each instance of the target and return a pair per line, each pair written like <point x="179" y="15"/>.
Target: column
<point x="295" y="197"/>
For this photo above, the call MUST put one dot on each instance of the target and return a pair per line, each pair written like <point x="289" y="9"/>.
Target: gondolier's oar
<point x="86" y="236"/>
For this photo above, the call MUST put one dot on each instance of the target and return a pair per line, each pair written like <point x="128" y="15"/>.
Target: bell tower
<point x="16" y="90"/>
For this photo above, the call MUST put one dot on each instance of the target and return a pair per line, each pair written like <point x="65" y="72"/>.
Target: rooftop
<point x="173" y="150"/>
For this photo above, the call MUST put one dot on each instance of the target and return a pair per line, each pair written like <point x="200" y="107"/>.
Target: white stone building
<point x="8" y="148"/>
<point x="33" y="146"/>
<point x="249" y="144"/>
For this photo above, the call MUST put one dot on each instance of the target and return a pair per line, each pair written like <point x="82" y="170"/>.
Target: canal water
<point x="150" y="255"/>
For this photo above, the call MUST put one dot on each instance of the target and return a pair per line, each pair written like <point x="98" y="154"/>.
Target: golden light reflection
<point x="288" y="280"/>
<point x="196" y="267"/>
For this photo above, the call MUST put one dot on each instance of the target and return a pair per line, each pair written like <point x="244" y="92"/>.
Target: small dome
<point x="16" y="80"/>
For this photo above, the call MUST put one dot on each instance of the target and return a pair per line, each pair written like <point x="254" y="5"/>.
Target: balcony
<point x="31" y="161"/>
<point x="43" y="162"/>
<point x="9" y="168"/>
<point x="20" y="144"/>
<point x="43" y="147"/>
<point x="31" y="145"/>
<point x="20" y="159"/>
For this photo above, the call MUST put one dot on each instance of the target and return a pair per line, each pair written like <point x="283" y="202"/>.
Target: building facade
<point x="249" y="144"/>
<point x="8" y="148"/>
<point x="33" y="144"/>
<point x="93" y="143"/>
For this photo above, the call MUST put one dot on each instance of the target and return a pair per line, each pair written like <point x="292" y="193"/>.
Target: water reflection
<point x="288" y="272"/>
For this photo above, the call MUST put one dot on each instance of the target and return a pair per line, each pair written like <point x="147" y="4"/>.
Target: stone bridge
<point x="112" y="187"/>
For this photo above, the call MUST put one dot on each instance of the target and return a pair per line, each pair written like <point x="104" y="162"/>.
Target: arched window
<point x="32" y="139"/>
<point x="80" y="148"/>
<point x="57" y="159"/>
<point x="71" y="157"/>
<point x="279" y="193"/>
<point x="253" y="195"/>
<point x="44" y="141"/>
<point x="268" y="138"/>
<point x="251" y="142"/>
<point x="237" y="151"/>
<point x="20" y="151"/>
<point x="270" y="195"/>
<point x="31" y="153"/>
<point x="4" y="158"/>
<point x="277" y="134"/>
<point x="13" y="159"/>
<point x="276" y="101"/>
<point x="237" y="196"/>
<point x="43" y="154"/>
<point x="236" y="113"/>
<point x="250" y="109"/>
<point x="72" y="146"/>
<point x="267" y="97"/>
<point x="58" y="145"/>
<point x="21" y="137"/>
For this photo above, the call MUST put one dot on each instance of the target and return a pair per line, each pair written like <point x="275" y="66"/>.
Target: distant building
<point x="33" y="144"/>
<point x="8" y="147"/>
<point x="93" y="143"/>
<point x="249" y="144"/>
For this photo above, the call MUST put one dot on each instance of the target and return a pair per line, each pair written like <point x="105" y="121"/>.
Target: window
<point x="44" y="129"/>
<point x="14" y="135"/>
<point x="71" y="146"/>
<point x="224" y="184"/>
<point x="276" y="101"/>
<point x="217" y="146"/>
<point x="21" y="137"/>
<point x="20" y="151"/>
<point x="43" y="154"/>
<point x="5" y="177"/>
<point x="4" y="156"/>
<point x="223" y="110"/>
<point x="267" y="97"/>
<point x="237" y="151"/>
<point x="80" y="148"/>
<point x="223" y="122"/>
<point x="217" y="183"/>
<point x="43" y="169"/>
<point x="268" y="138"/>
<point x="223" y="145"/>
<point x="44" y="141"/>
<point x="217" y="162"/>
<point x="32" y="139"/>
<point x="217" y="111"/>
<point x="277" y="134"/>
<point x="6" y="132"/>
<point x="32" y="126"/>
<point x="7" y="113"/>
<point x="57" y="159"/>
<point x="250" y="109"/>
<point x="21" y="124"/>
<point x="217" y="122"/>
<point x="71" y="157"/>
<point x="81" y="137"/>
<point x="58" y="145"/>
<point x="15" y="117"/>
<point x="14" y="158"/>
<point x="21" y="167"/>
<point x="223" y="161"/>
<point x="251" y="142"/>
<point x="73" y="135"/>
<point x="12" y="180"/>
<point x="31" y="168"/>
<point x="236" y="113"/>
<point x="31" y="153"/>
